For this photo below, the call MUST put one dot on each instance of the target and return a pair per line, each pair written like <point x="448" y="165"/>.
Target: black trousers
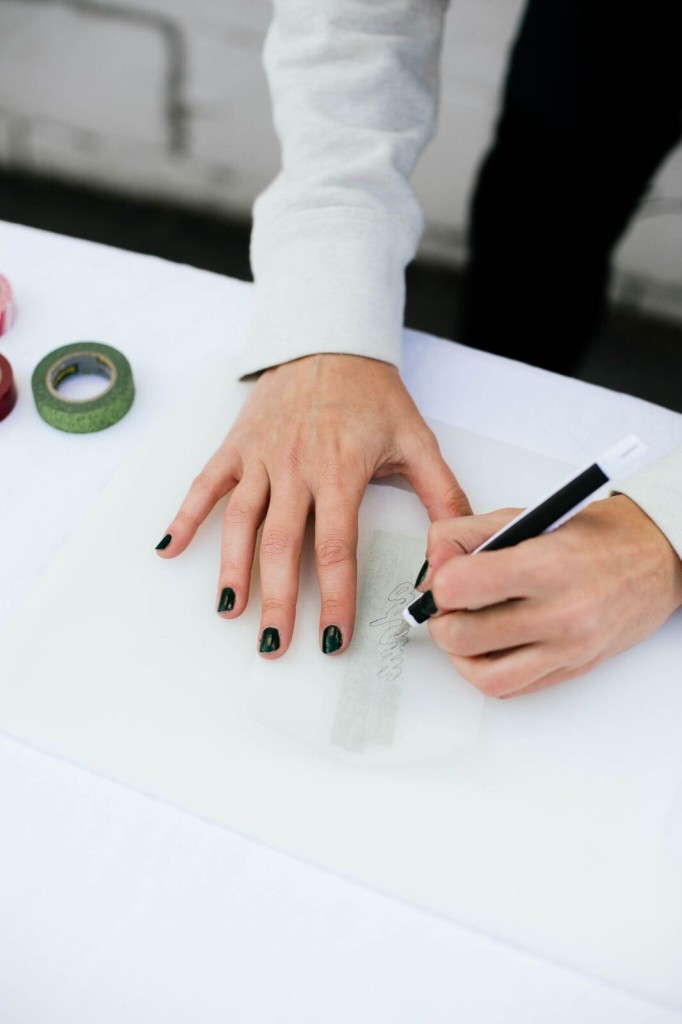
<point x="592" y="104"/>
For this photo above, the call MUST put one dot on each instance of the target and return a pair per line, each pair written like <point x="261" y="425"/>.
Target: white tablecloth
<point x="117" y="908"/>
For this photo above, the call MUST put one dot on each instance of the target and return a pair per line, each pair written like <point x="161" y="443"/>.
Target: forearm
<point x="354" y="92"/>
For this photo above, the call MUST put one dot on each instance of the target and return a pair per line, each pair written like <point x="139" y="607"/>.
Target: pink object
<point x="8" y="309"/>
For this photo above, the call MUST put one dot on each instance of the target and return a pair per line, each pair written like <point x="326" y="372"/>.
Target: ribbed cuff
<point x="657" y="489"/>
<point x="327" y="283"/>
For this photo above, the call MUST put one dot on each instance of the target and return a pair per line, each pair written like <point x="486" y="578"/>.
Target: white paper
<point x="672" y="832"/>
<point x="545" y="827"/>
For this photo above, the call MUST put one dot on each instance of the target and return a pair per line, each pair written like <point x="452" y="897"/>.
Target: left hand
<point x="553" y="607"/>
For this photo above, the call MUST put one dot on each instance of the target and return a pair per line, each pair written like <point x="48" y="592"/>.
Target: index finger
<point x="488" y="578"/>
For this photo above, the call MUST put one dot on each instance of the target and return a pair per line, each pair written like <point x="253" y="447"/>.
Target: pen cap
<point x="623" y="457"/>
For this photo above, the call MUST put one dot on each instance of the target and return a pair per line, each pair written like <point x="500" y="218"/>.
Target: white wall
<point x="167" y="98"/>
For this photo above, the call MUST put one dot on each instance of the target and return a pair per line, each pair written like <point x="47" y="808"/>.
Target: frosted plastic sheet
<point x="390" y="699"/>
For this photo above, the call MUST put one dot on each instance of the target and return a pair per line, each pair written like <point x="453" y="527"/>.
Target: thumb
<point x="436" y="485"/>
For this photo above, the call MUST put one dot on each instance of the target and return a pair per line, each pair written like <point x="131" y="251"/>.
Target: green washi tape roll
<point x="90" y="414"/>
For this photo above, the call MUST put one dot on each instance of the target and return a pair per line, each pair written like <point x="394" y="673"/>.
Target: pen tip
<point x="409" y="619"/>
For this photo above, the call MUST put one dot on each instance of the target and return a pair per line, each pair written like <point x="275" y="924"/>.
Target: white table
<point x="117" y="908"/>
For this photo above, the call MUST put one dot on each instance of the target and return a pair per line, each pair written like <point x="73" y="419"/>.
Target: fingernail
<point x="163" y="544"/>
<point x="422" y="573"/>
<point x="331" y="639"/>
<point x="269" y="640"/>
<point x="226" y="603"/>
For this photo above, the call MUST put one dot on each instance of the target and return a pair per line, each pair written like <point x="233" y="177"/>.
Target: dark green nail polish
<point x="227" y="597"/>
<point x="163" y="544"/>
<point x="428" y="604"/>
<point x="331" y="639"/>
<point x="422" y="573"/>
<point x="269" y="640"/>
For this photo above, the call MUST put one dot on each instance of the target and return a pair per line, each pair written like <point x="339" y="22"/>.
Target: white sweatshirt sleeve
<point x="354" y="87"/>
<point x="657" y="489"/>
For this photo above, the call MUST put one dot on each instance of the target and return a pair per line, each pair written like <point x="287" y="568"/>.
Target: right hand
<point x="555" y="606"/>
<point x="309" y="438"/>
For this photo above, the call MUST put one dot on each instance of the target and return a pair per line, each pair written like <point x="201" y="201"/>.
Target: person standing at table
<point x="591" y="107"/>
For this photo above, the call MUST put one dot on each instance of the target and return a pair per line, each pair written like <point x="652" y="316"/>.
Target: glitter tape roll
<point x="91" y="414"/>
<point x="8" y="391"/>
<point x="8" y="310"/>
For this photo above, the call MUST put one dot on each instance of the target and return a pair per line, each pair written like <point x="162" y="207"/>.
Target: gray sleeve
<point x="354" y="87"/>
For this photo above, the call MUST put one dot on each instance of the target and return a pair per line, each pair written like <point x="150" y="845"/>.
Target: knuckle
<point x="579" y="626"/>
<point x="491" y="677"/>
<point x="452" y="500"/>
<point x="276" y="542"/>
<point x="455" y="501"/>
<point x="569" y="627"/>
<point x="427" y="439"/>
<point x="184" y="520"/>
<point x="460" y="640"/>
<point x="589" y="622"/>
<point x="229" y="568"/>
<point x="583" y="644"/>
<point x="272" y="606"/>
<point x="441" y="633"/>
<point x="494" y="686"/>
<point x="333" y="609"/>
<point x="333" y="552"/>
<point x="333" y="473"/>
<point x="293" y="458"/>
<point x="239" y="511"/>
<point x="452" y="633"/>
<point x="437" y="532"/>
<point x="204" y="483"/>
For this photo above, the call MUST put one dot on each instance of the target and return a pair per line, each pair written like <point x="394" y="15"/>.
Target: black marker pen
<point x="550" y="512"/>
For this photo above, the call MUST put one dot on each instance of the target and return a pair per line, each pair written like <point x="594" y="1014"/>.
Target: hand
<point x="311" y="435"/>
<point x="553" y="607"/>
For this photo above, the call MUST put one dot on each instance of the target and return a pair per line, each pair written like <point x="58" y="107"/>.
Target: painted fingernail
<point x="331" y="639"/>
<point x="269" y="640"/>
<point x="163" y="544"/>
<point x="422" y="574"/>
<point x="227" y="597"/>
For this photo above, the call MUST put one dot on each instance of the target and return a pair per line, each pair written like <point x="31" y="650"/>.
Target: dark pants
<point x="592" y="104"/>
